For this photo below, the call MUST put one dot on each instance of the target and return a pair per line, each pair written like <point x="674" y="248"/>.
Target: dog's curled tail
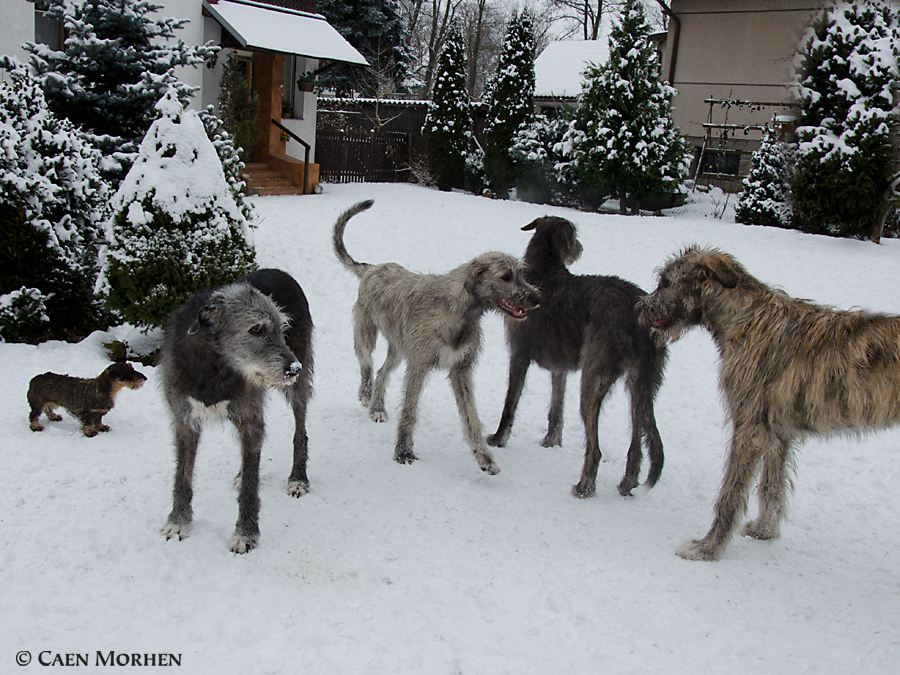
<point x="338" y="239"/>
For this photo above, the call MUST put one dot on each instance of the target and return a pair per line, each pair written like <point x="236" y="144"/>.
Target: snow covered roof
<point x="558" y="69"/>
<point x="282" y="30"/>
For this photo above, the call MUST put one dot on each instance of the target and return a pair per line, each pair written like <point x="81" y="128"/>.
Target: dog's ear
<point x="721" y="268"/>
<point x="210" y="315"/>
<point x="476" y="269"/>
<point x="533" y="224"/>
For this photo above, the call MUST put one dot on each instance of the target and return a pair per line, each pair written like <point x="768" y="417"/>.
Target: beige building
<point x="733" y="50"/>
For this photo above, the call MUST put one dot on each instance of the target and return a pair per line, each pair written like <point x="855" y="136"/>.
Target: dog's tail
<point x="338" y="240"/>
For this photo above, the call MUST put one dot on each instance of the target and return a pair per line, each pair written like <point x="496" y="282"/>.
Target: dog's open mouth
<point x="663" y="322"/>
<point x="514" y="311"/>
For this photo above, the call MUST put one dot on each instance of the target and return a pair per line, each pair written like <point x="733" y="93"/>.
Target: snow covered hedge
<point x="176" y="226"/>
<point x="51" y="207"/>
<point x="847" y="68"/>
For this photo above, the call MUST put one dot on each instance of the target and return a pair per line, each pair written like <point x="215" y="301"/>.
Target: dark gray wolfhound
<point x="432" y="321"/>
<point x="222" y="350"/>
<point x="88" y="399"/>
<point x="789" y="369"/>
<point x="588" y="323"/>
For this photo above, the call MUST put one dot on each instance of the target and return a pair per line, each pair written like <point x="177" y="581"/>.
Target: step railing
<point x="307" y="148"/>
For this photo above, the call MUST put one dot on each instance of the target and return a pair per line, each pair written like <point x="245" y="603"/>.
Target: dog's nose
<point x="535" y="297"/>
<point x="293" y="370"/>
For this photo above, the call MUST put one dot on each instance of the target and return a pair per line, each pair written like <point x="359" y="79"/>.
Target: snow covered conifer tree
<point x="622" y="138"/>
<point x="115" y="65"/>
<point x="767" y="188"/>
<point x="447" y="125"/>
<point x="51" y="205"/>
<point x="176" y="227"/>
<point x="377" y="29"/>
<point x="512" y="102"/>
<point x="846" y="68"/>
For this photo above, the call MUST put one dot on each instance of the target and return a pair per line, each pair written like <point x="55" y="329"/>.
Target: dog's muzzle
<point x="291" y="373"/>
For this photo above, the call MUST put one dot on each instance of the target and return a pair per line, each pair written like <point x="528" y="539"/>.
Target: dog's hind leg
<point x="413" y="383"/>
<point x="594" y="387"/>
<point x="774" y="484"/>
<point x="643" y="428"/>
<point x="186" y="439"/>
<point x="461" y="381"/>
<point x="365" y="335"/>
<point x="377" y="410"/>
<point x="555" y="415"/>
<point x="518" y="369"/>
<point x="298" y="396"/>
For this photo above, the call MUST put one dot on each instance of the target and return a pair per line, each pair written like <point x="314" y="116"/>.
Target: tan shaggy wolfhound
<point x="789" y="369"/>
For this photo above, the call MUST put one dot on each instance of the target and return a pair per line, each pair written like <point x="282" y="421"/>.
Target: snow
<point x="437" y="567"/>
<point x="558" y="70"/>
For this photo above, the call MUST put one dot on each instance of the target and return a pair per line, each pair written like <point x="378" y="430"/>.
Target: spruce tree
<point x="377" y="29"/>
<point x="847" y="66"/>
<point x="116" y="63"/>
<point x="51" y="205"/>
<point x="511" y="102"/>
<point x="622" y="139"/>
<point x="176" y="227"/>
<point x="766" y="199"/>
<point x="447" y="125"/>
<point x="238" y="106"/>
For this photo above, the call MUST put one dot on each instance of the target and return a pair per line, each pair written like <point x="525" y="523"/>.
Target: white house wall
<point x="16" y="27"/>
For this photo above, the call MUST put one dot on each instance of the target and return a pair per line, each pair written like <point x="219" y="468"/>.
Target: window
<point x="47" y="31"/>
<point x="717" y="162"/>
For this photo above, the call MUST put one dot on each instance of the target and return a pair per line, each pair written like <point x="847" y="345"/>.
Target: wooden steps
<point x="261" y="180"/>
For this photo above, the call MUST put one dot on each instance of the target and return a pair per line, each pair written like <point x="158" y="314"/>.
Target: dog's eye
<point x="507" y="276"/>
<point x="258" y="329"/>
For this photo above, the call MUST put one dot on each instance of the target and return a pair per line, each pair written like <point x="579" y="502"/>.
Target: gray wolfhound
<point x="432" y="321"/>
<point x="789" y="369"/>
<point x="588" y="323"/>
<point x="89" y="399"/>
<point x="222" y="350"/>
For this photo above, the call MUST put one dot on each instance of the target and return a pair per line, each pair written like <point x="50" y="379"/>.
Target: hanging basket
<point x="306" y="86"/>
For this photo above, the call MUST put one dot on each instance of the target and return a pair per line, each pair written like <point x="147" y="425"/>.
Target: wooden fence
<point x="363" y="157"/>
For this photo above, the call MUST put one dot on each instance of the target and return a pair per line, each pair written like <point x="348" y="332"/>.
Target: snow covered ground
<point x="436" y="567"/>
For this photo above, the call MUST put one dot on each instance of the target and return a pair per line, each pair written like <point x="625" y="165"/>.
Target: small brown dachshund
<point x="89" y="399"/>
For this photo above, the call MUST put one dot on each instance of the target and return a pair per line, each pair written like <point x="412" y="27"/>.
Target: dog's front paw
<point x="697" y="549"/>
<point x="54" y="417"/>
<point x="175" y="530"/>
<point x="490" y="468"/>
<point x="584" y="490"/>
<point x="102" y="427"/>
<point x="90" y="432"/>
<point x="403" y="454"/>
<point x="497" y="440"/>
<point x="37" y="426"/>
<point x="760" y="530"/>
<point x="297" y="488"/>
<point x="242" y="543"/>
<point x="551" y="439"/>
<point x="378" y="415"/>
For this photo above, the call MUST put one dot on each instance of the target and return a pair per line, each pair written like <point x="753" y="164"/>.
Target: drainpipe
<point x="676" y="33"/>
